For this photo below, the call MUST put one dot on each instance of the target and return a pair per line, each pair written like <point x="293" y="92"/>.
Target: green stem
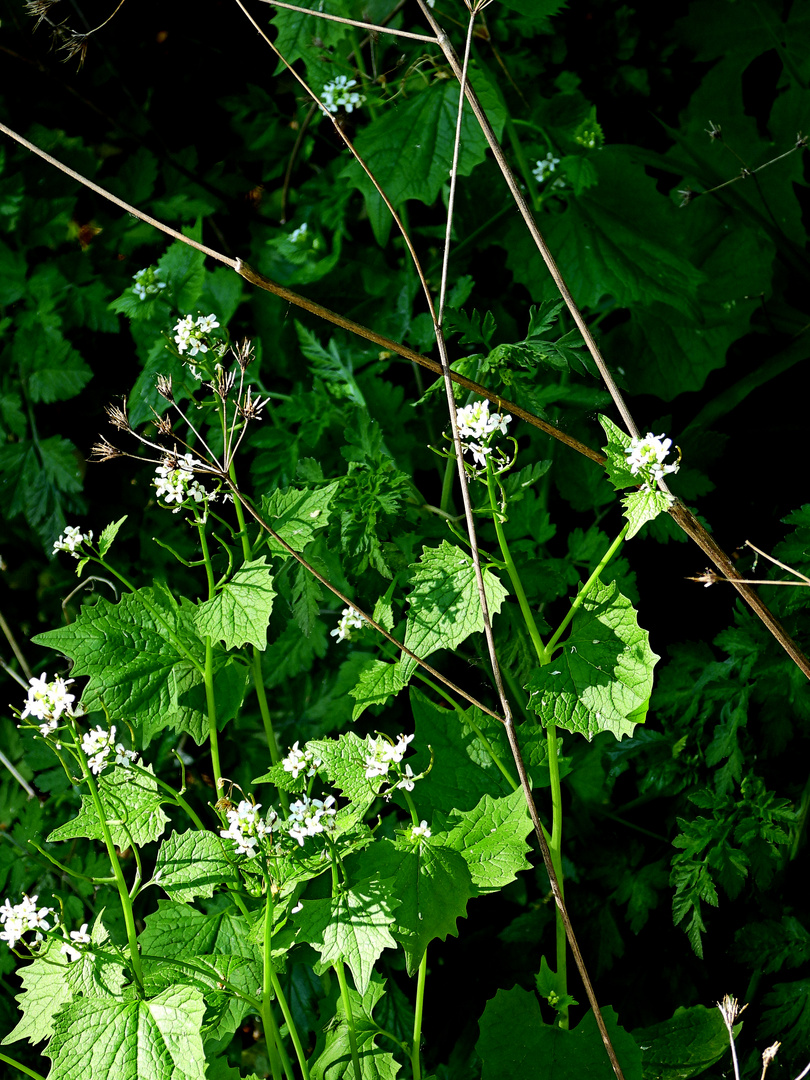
<point x="123" y="892"/>
<point x="528" y="177"/>
<point x="291" y="1028"/>
<point x="417" y="1020"/>
<point x="66" y="869"/>
<point x="22" y="1068"/>
<point x="208" y="675"/>
<point x="258" y="680"/>
<point x="583" y="592"/>
<point x="555" y="848"/>
<point x="446" y="504"/>
<point x="271" y="1033"/>
<point x="347" y="1008"/>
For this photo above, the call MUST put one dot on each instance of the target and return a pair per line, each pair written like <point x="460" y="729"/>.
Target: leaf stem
<point x="271" y="1033"/>
<point x="208" y="675"/>
<point x="19" y="1066"/>
<point x="347" y="1008"/>
<point x="417" y="1019"/>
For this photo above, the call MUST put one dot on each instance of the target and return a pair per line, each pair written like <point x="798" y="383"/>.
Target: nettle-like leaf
<point x="50" y="366"/>
<point x="145" y="660"/>
<point x="514" y="1039"/>
<point x="296" y="515"/>
<point x="130" y="1040"/>
<point x="491" y="839"/>
<point x="353" y="926"/>
<point x="176" y="929"/>
<point x="344" y="761"/>
<point x="131" y="800"/>
<point x="686" y="1045"/>
<point x="52" y="980"/>
<point x="183" y="270"/>
<point x="444" y="604"/>
<point x="108" y="535"/>
<point x="240" y="612"/>
<point x="465" y="746"/>
<point x="602" y="678"/>
<point x="639" y="506"/>
<point x="433" y="884"/>
<point x="378" y="682"/>
<point x="333" y="1053"/>
<point x="192" y="864"/>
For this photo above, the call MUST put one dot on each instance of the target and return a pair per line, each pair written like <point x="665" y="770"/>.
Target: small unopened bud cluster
<point x="349" y="620"/>
<point x="247" y="828"/>
<point x="98" y="744"/>
<point x="147" y="282"/>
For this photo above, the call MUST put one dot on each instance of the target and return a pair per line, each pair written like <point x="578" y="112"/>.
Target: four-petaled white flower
<point x="349" y="620"/>
<point x="545" y="167"/>
<point x="71" y="539"/>
<point x="98" y="744"/>
<point x="308" y="817"/>
<point x="645" y="458"/>
<point x="420" y="830"/>
<point x="18" y="919"/>
<point x="190" y="333"/>
<point x="78" y="937"/>
<point x="174" y="481"/>
<point x="382" y="754"/>
<point x="338" y="94"/>
<point x="476" y="428"/>
<point x="246" y="827"/>
<point x="298" y="761"/>
<point x="47" y="701"/>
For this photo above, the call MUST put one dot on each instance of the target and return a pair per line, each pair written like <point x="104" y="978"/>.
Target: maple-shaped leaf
<point x="131" y="799"/>
<point x="491" y="839"/>
<point x="192" y="864"/>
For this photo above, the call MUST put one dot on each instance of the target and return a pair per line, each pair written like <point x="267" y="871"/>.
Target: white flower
<point x="645" y="458"/>
<point x="477" y="426"/>
<point x="147" y="282"/>
<point x="420" y="830"/>
<point x="349" y="620"/>
<point x="246" y="827"/>
<point x="544" y="167"/>
<point x="298" y="761"/>
<point x="408" y="780"/>
<point x="338" y="94"/>
<point x="308" y="817"/>
<point x="48" y="701"/>
<point x="298" y="234"/>
<point x="189" y="334"/>
<point x="174" y="481"/>
<point x="17" y="919"/>
<point x="72" y="538"/>
<point x="79" y="937"/>
<point x="382" y="754"/>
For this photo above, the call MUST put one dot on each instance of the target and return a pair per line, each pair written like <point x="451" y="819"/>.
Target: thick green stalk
<point x="416" y="1064"/>
<point x="291" y="1028"/>
<point x="272" y="1038"/>
<point x="123" y="892"/>
<point x="210" y="698"/>
<point x="20" y="1067"/>
<point x="347" y="1008"/>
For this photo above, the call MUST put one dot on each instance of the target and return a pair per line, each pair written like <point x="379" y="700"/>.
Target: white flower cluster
<point x="190" y="334"/>
<point x="420" y="830"/>
<point x="18" y="919"/>
<point x="78" y="937"/>
<point x="298" y="234"/>
<point x="645" y="457"/>
<point x="308" y="817"/>
<point x="475" y="424"/>
<point x="147" y="282"/>
<point x="174" y="481"/>
<point x="47" y="701"/>
<point x="338" y="94"/>
<point x="383" y="754"/>
<point x="349" y="620"/>
<point x="98" y="744"/>
<point x="545" y="167"/>
<point x="298" y="761"/>
<point x="246" y="827"/>
<point x="72" y="538"/>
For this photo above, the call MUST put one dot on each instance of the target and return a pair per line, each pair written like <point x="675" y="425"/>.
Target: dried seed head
<point x="118" y="417"/>
<point x="38" y="9"/>
<point x="730" y="1009"/>
<point x="70" y="43"/>
<point x="164" y="387"/>
<point x="249" y="408"/>
<point x="223" y="383"/>
<point x="769" y="1054"/>
<point x="104" y="451"/>
<point x="244" y="353"/>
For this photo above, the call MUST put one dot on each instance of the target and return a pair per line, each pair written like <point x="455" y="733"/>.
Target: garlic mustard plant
<point x="71" y="540"/>
<point x="192" y="335"/>
<point x="18" y="919"/>
<point x="646" y="457"/>
<point x="476" y="428"/>
<point x="349" y="620"/>
<point x="147" y="282"/>
<point x="338" y="94"/>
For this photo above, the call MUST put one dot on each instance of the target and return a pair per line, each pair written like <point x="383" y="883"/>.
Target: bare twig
<point x="15" y="648"/>
<point x="373" y="27"/>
